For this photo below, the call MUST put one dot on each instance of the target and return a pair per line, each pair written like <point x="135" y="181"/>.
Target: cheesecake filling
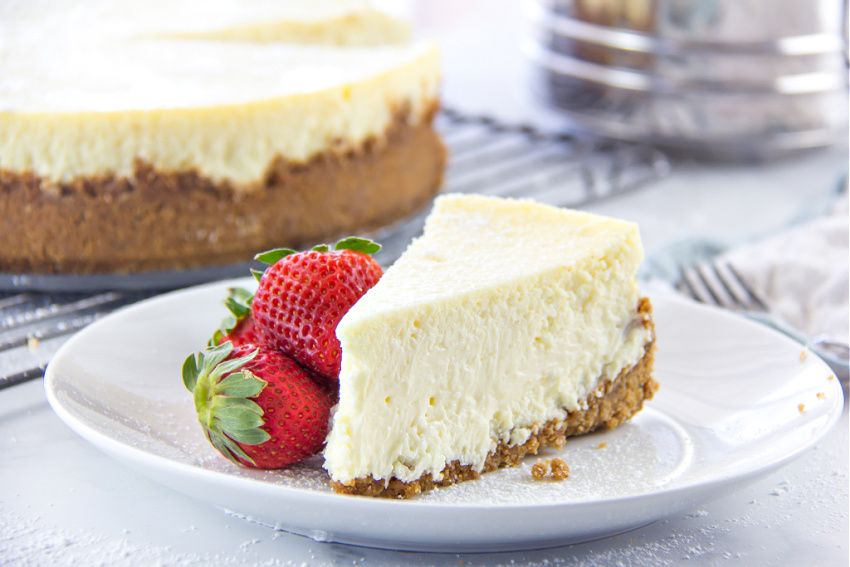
<point x="224" y="110"/>
<point x="419" y="391"/>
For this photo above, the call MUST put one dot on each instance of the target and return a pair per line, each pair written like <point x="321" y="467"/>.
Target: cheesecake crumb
<point x="32" y="343"/>
<point x="556" y="470"/>
<point x="540" y="470"/>
<point x="831" y="377"/>
<point x="801" y="408"/>
<point x="821" y="395"/>
<point x="804" y="354"/>
<point x="602" y="445"/>
<point x="560" y="470"/>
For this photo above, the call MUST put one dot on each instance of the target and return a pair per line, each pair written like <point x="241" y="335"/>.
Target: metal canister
<point x="736" y="79"/>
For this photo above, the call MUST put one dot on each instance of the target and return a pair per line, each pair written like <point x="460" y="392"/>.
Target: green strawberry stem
<point x="221" y="389"/>
<point x="238" y="303"/>
<point x="354" y="243"/>
<point x="272" y="256"/>
<point x="357" y="244"/>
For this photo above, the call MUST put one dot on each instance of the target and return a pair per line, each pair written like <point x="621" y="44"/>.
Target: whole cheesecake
<point x="507" y="326"/>
<point x="135" y="137"/>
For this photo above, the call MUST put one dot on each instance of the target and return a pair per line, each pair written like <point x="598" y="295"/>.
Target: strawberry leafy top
<point x="238" y="303"/>
<point x="221" y="389"/>
<point x="353" y="243"/>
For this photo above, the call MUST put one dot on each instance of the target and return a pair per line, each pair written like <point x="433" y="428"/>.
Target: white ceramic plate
<point x="737" y="400"/>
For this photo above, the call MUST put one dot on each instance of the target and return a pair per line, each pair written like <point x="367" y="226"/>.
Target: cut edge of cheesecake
<point x="612" y="403"/>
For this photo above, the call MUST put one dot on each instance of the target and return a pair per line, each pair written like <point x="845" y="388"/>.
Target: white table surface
<point x="62" y="502"/>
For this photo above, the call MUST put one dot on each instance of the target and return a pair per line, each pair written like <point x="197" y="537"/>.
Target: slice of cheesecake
<point x="509" y="325"/>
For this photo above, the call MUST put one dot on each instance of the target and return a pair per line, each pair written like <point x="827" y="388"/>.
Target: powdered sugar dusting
<point x="639" y="457"/>
<point x="35" y="542"/>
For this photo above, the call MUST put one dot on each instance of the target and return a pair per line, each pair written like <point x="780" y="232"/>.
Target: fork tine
<point x="751" y="294"/>
<point x="737" y="287"/>
<point x="718" y="283"/>
<point x="710" y="285"/>
<point x="695" y="286"/>
<point x="732" y="286"/>
<point x="685" y="285"/>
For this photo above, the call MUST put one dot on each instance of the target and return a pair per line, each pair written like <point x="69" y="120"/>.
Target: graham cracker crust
<point x="160" y="220"/>
<point x="615" y="402"/>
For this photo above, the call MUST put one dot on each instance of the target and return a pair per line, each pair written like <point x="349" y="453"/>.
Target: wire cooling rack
<point x="486" y="156"/>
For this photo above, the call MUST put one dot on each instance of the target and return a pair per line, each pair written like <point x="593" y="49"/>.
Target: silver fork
<point x="718" y="283"/>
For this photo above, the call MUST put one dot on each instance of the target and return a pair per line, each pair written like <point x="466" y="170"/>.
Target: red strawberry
<point x="257" y="406"/>
<point x="302" y="296"/>
<point x="238" y="327"/>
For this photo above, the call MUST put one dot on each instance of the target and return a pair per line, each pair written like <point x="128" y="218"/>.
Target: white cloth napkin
<point x="801" y="274"/>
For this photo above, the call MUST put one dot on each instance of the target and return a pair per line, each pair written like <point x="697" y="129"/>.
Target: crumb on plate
<point x="556" y="469"/>
<point x="560" y="470"/>
<point x="540" y="469"/>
